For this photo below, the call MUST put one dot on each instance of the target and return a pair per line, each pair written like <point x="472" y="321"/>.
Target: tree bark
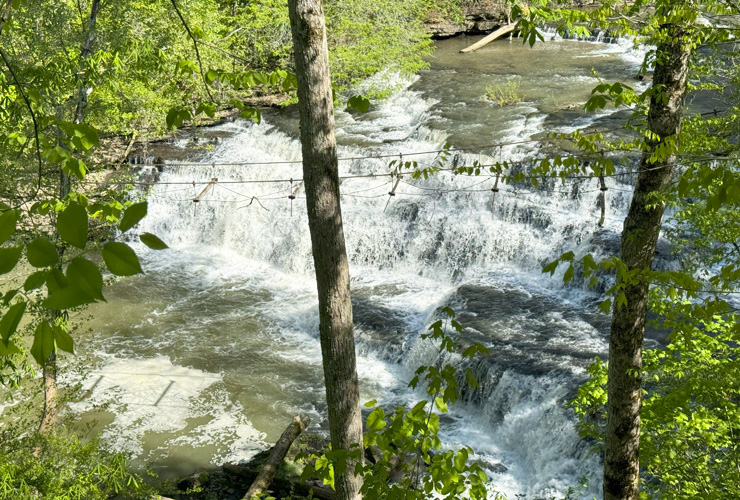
<point x="50" y="394"/>
<point x="321" y="181"/>
<point x="83" y="90"/>
<point x="639" y="238"/>
<point x="5" y="14"/>
<point x="264" y="478"/>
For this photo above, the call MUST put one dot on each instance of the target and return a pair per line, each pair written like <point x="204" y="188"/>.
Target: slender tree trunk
<point x="639" y="238"/>
<point x="5" y="14"/>
<point x="83" y="90"/>
<point x="321" y="181"/>
<point x="50" y="393"/>
<point x="65" y="185"/>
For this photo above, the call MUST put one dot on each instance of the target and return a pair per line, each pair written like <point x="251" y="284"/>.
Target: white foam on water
<point x="155" y="396"/>
<point x="228" y="430"/>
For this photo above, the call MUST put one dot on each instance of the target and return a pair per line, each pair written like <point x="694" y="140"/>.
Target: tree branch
<point x="195" y="45"/>
<point x="33" y="117"/>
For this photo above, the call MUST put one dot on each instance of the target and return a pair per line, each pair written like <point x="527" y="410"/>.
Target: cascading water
<point x="231" y="311"/>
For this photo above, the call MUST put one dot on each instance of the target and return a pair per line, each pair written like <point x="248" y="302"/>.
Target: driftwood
<point x="300" y="488"/>
<point x="214" y="180"/>
<point x="320" y="491"/>
<point x="265" y="476"/>
<point x="488" y="39"/>
<point x="128" y="151"/>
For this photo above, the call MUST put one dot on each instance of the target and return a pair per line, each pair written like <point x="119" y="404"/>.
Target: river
<point x="207" y="357"/>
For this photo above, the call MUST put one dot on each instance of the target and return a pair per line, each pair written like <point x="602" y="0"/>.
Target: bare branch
<point x="33" y="116"/>
<point x="195" y="45"/>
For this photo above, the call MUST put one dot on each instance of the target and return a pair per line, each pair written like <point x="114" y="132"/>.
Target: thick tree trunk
<point x="321" y="181"/>
<point x="639" y="238"/>
<point x="264" y="478"/>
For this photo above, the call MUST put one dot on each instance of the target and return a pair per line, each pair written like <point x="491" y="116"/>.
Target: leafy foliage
<point x="690" y="414"/>
<point x="503" y="94"/>
<point x="407" y="459"/>
<point x="61" y="464"/>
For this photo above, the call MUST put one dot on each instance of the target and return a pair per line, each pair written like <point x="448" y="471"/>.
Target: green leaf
<point x="63" y="339"/>
<point x="55" y="280"/>
<point x="588" y="262"/>
<point x="9" y="295"/>
<point x="35" y="280"/>
<point x="75" y="167"/>
<point x="568" y="276"/>
<point x="132" y="216"/>
<point x="376" y="420"/>
<point x="370" y="404"/>
<point x="440" y="404"/>
<point x="120" y="259"/>
<point x="72" y="225"/>
<point x="9" y="258"/>
<point x="358" y="103"/>
<point x="41" y="253"/>
<point x="171" y="118"/>
<point x="551" y="267"/>
<point x="469" y="352"/>
<point x="152" y="241"/>
<point x="11" y="348"/>
<point x="67" y="298"/>
<point x="11" y="319"/>
<point x="606" y="306"/>
<point x="621" y="300"/>
<point x="8" y="222"/>
<point x="85" y="275"/>
<point x="43" y="343"/>
<point x="211" y="76"/>
<point x="461" y="458"/>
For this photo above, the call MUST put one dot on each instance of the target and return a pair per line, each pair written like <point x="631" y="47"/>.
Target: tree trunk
<point x="5" y="14"/>
<point x="83" y="90"/>
<point x="50" y="394"/>
<point x="321" y="181"/>
<point x="65" y="186"/>
<point x="639" y="238"/>
<point x="264" y="478"/>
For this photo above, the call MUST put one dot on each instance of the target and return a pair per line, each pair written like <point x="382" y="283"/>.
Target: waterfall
<point x="243" y="254"/>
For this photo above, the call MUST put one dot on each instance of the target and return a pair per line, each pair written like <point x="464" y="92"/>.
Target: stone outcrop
<point x="480" y="16"/>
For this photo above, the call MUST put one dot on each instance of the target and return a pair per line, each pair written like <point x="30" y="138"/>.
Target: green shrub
<point x="503" y="94"/>
<point x="62" y="466"/>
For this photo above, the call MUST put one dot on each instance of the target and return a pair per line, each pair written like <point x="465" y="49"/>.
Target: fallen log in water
<point x="488" y="39"/>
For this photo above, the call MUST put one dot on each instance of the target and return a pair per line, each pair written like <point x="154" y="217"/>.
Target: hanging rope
<point x="293" y="194"/>
<point x="602" y="198"/>
<point x="398" y="175"/>
<point x="495" y="190"/>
